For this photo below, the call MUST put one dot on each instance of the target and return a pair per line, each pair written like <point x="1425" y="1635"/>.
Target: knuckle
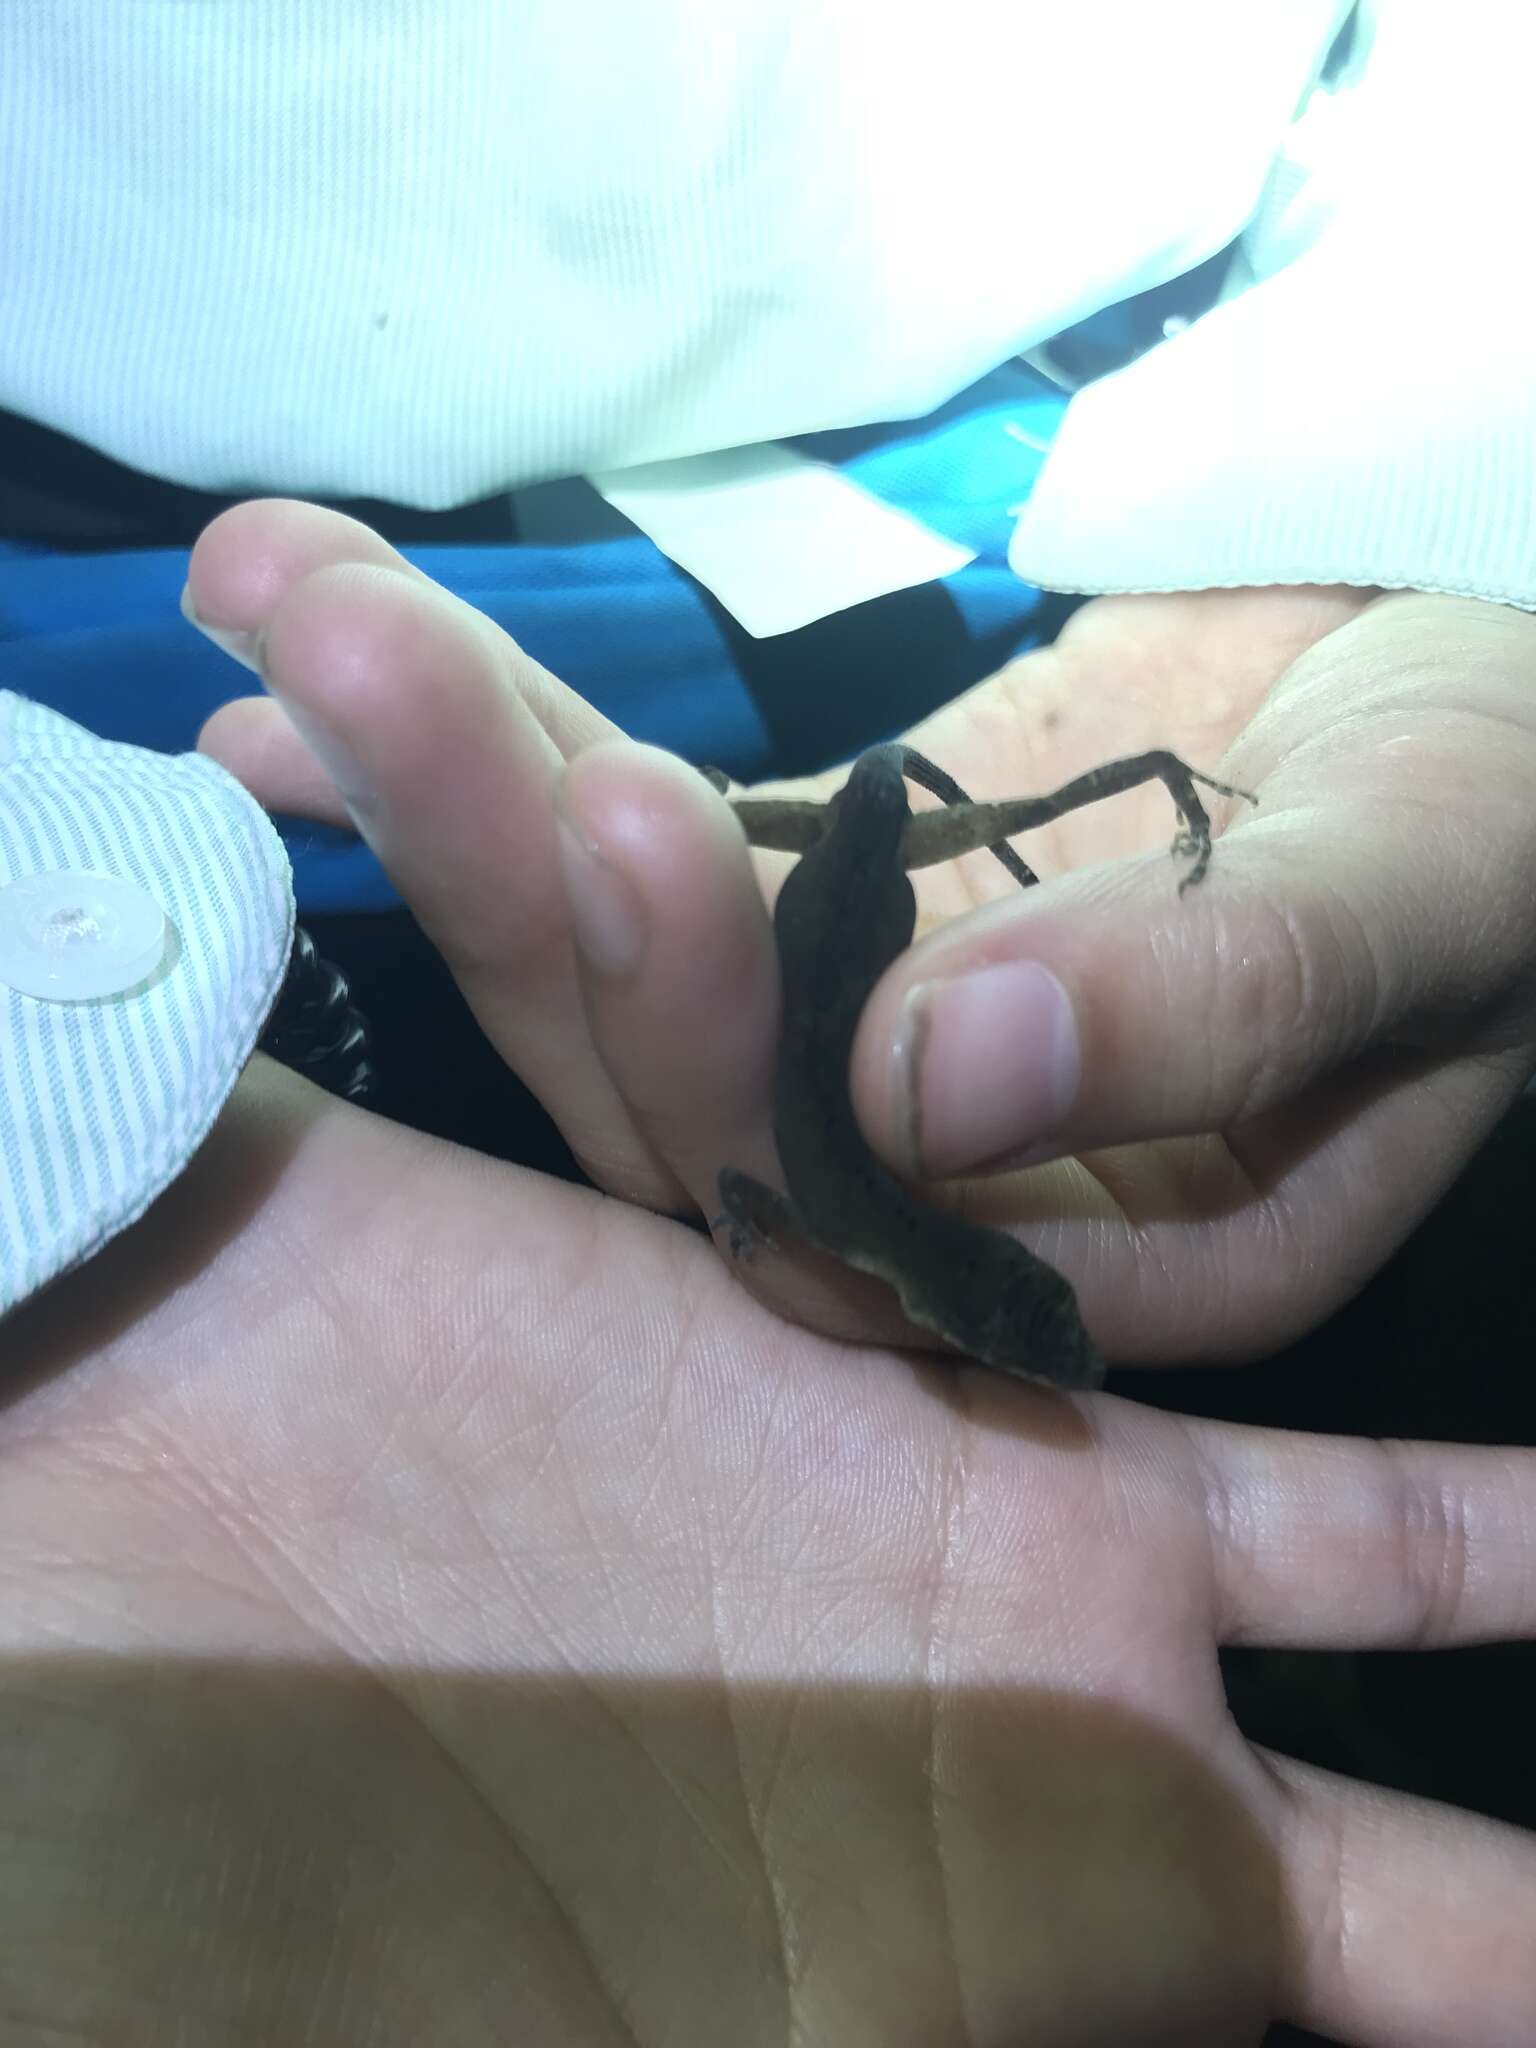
<point x="1429" y="1541"/>
<point x="1306" y="991"/>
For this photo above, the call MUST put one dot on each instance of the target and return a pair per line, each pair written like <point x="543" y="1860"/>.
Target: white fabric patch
<point x="780" y="539"/>
<point x="447" y="248"/>
<point x="1364" y="410"/>
<point x="103" y="1100"/>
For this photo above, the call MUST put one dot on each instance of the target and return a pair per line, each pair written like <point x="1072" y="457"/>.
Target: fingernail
<point x="240" y="646"/>
<point x="335" y="756"/>
<point x="606" y="918"/>
<point x="989" y="1065"/>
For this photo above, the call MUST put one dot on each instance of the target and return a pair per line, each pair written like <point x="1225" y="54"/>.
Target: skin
<point x="1276" y="1076"/>
<point x="442" y="1606"/>
<point x="441" y="1600"/>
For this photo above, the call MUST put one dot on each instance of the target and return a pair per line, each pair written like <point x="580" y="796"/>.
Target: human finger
<point x="442" y="742"/>
<point x="1379" y="897"/>
<point x="1343" y="1542"/>
<point x="1413" y="1921"/>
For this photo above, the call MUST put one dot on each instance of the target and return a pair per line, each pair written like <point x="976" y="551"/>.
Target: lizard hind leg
<point x="752" y="1212"/>
<point x="928" y="775"/>
<point x="1193" y="840"/>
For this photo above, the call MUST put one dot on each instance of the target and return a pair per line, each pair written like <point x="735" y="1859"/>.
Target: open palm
<point x="442" y="1607"/>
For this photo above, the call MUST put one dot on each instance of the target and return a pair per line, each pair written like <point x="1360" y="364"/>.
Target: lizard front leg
<point x="753" y="1213"/>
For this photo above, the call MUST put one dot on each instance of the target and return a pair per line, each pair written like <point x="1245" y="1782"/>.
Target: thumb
<point x="1379" y="897"/>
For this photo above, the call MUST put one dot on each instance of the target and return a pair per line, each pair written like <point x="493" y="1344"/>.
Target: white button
<point x="72" y="934"/>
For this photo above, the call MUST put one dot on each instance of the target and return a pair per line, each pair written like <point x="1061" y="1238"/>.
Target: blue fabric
<point x="99" y="637"/>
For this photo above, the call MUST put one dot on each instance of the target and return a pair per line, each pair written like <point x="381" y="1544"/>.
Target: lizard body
<point x="845" y="912"/>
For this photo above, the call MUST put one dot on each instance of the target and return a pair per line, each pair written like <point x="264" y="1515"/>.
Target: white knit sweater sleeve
<point x="427" y="250"/>
<point x="1365" y="410"/>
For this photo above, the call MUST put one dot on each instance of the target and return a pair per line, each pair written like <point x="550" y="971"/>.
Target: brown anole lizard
<point x="845" y="912"/>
